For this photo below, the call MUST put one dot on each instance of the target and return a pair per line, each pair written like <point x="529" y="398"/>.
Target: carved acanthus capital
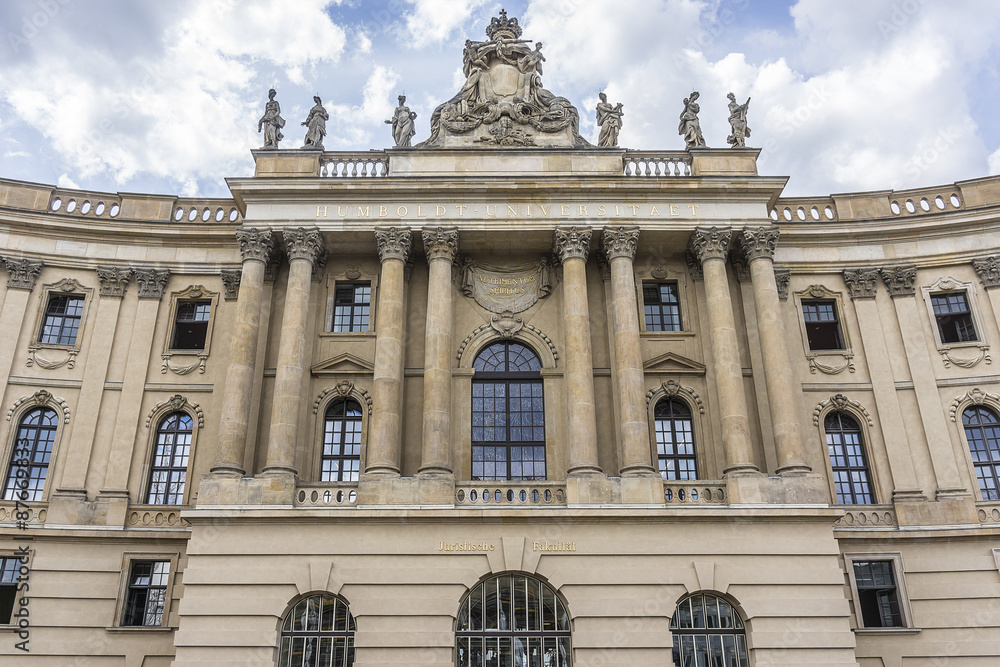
<point x="255" y="243"/>
<point x="22" y="273"/>
<point x="694" y="266"/>
<point x="988" y="270"/>
<point x="620" y="242"/>
<point x="394" y="243"/>
<point x="710" y="243"/>
<point x="151" y="282"/>
<point x="759" y="242"/>
<point x="440" y="243"/>
<point x="231" y="283"/>
<point x="899" y="279"/>
<point x="114" y="280"/>
<point x="571" y="242"/>
<point x="861" y="283"/>
<point x="781" y="279"/>
<point x="740" y="264"/>
<point x="304" y="243"/>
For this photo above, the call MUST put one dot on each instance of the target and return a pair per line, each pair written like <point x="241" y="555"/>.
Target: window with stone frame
<point x="351" y="307"/>
<point x="146" y="593"/>
<point x="191" y="324"/>
<point x="848" y="461"/>
<point x="674" y="434"/>
<point x="61" y="323"/>
<point x="878" y="600"/>
<point x="822" y="324"/>
<point x="982" y="434"/>
<point x="708" y="630"/>
<point x="10" y="570"/>
<point x="30" y="455"/>
<point x="168" y="472"/>
<point x="340" y="460"/>
<point x="954" y="317"/>
<point x="318" y="630"/>
<point x="661" y="306"/>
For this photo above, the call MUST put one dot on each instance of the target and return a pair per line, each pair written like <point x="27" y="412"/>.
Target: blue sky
<point x="143" y="95"/>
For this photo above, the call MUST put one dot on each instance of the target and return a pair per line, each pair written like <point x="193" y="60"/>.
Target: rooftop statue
<point x="738" y="122"/>
<point x="610" y="119"/>
<point x="503" y="102"/>
<point x="402" y="124"/>
<point x="316" y="122"/>
<point x="690" y="127"/>
<point x="271" y="122"/>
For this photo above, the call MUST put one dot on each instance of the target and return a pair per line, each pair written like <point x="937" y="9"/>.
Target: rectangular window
<point x="351" y="307"/>
<point x="822" y="325"/>
<point x="146" y="597"/>
<point x="878" y="597"/>
<point x="62" y="320"/>
<point x="9" y="571"/>
<point x="662" y="306"/>
<point x="191" y="325"/>
<point x="954" y="319"/>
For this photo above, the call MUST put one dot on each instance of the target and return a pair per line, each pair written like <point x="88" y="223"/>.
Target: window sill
<point x="666" y="335"/>
<point x="347" y="334"/>
<point x="55" y="346"/>
<point x="887" y="631"/>
<point x="139" y="628"/>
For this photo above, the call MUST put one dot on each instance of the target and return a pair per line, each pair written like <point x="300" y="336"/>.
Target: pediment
<point x="674" y="364"/>
<point x="343" y="364"/>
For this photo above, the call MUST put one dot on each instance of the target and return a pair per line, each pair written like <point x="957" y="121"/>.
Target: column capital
<point x="255" y="243"/>
<point x="861" y="283"/>
<point x="22" y="273"/>
<point x="899" y="279"/>
<point x="231" y="283"/>
<point x="988" y="270"/>
<point x="394" y="243"/>
<point x="570" y="242"/>
<point x="440" y="243"/>
<point x="620" y="242"/>
<point x="781" y="279"/>
<point x="304" y="243"/>
<point x="710" y="243"/>
<point x="114" y="280"/>
<point x="759" y="242"/>
<point x="151" y="282"/>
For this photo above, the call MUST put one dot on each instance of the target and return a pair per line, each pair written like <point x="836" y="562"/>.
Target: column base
<point x="908" y="496"/>
<point x="279" y="471"/>
<point x="382" y="471"/>
<point x="585" y="471"/>
<point x="794" y="469"/>
<point x="742" y="470"/>
<point x="227" y="470"/>
<point x="639" y="470"/>
<point x="435" y="472"/>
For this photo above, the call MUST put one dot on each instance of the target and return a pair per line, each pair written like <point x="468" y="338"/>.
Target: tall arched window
<point x="708" y="631"/>
<point x="29" y="459"/>
<point x="508" y="414"/>
<point x="675" y="440"/>
<point x="513" y="619"/>
<point x="341" y="459"/>
<point x="319" y="630"/>
<point x="847" y="459"/>
<point x="168" y="473"/>
<point x="982" y="431"/>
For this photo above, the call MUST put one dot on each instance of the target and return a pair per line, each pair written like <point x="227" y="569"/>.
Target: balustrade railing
<point x="531" y="494"/>
<point x="326" y="494"/>
<point x="701" y="492"/>
<point x="22" y="515"/>
<point x="867" y="516"/>
<point x="354" y="165"/>
<point x="656" y="163"/>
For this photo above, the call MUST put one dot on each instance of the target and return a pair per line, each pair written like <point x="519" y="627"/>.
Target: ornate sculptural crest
<point x="503" y="102"/>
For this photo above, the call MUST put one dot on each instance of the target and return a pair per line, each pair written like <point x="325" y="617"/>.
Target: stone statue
<point x="468" y="276"/>
<point x="610" y="119"/>
<point x="738" y="122"/>
<point x="316" y="124"/>
<point x="690" y="127"/>
<point x="544" y="276"/>
<point x="271" y="122"/>
<point x="402" y="124"/>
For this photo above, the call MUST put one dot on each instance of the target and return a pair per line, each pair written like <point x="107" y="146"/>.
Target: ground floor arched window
<point x="318" y="631"/>
<point x="708" y="631"/>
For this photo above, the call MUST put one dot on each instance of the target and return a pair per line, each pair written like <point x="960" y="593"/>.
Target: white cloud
<point x="433" y="21"/>
<point x="66" y="182"/>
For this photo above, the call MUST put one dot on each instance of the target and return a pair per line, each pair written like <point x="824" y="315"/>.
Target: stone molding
<point x="861" y="283"/>
<point x="842" y="403"/>
<point x="988" y="270"/>
<point x="974" y="396"/>
<point x="344" y="389"/>
<point x="176" y="403"/>
<point x="39" y="399"/>
<point x="440" y="243"/>
<point x="571" y="242"/>
<point x="782" y="277"/>
<point x="22" y="273"/>
<point x="672" y="388"/>
<point x="303" y="243"/>
<point x="114" y="280"/>
<point x="394" y="243"/>
<point x="694" y="266"/>
<point x="231" y="283"/>
<point x="255" y="243"/>
<point x="759" y="242"/>
<point x="741" y="267"/>
<point x="710" y="243"/>
<point x="151" y="282"/>
<point x="536" y="336"/>
<point x="899" y="280"/>
<point x="620" y="242"/>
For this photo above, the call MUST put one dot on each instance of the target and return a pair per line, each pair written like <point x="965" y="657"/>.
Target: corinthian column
<point x="633" y="425"/>
<point x="758" y="246"/>
<point x="304" y="247"/>
<point x="394" y="247"/>
<point x="440" y="247"/>
<point x="709" y="246"/>
<point x="256" y="246"/>
<point x="571" y="245"/>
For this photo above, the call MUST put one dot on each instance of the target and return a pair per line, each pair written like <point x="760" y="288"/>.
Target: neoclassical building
<point x="500" y="404"/>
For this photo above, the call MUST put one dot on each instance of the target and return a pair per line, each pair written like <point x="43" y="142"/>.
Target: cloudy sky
<point x="163" y="96"/>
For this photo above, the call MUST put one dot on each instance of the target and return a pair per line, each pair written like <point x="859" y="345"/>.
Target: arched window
<point x="675" y="440"/>
<point x="319" y="630"/>
<point x="168" y="473"/>
<point x="708" y="631"/>
<point x="513" y="619"/>
<point x="341" y="459"/>
<point x="847" y="459"/>
<point x="508" y="414"/>
<point x="982" y="431"/>
<point x="29" y="460"/>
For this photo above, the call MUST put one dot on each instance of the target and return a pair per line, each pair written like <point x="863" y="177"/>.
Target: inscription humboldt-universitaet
<point x="505" y="211"/>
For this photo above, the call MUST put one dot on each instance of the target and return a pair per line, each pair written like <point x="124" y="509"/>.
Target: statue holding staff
<point x="738" y="122"/>
<point x="610" y="119"/>
<point x="690" y="126"/>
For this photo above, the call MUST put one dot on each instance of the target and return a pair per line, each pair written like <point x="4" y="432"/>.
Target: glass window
<point x="675" y="440"/>
<point x="878" y="598"/>
<point x="707" y="630"/>
<point x="822" y="325"/>
<point x="982" y="432"/>
<point x="170" y="460"/>
<point x="513" y="619"/>
<point x="954" y="319"/>
<point x="319" y="630"/>
<point x="341" y="459"/>
<point x="191" y="325"/>
<point x="662" y="306"/>
<point x="29" y="462"/>
<point x="62" y="320"/>
<point x="351" y="307"/>
<point x="847" y="459"/>
<point x="147" y="593"/>
<point x="508" y="414"/>
<point x="10" y="570"/>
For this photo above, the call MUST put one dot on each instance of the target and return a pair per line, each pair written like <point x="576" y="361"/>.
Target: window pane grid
<point x="147" y="593"/>
<point x="847" y="460"/>
<point x="982" y="432"/>
<point x="675" y="441"/>
<point x="341" y="457"/>
<point x="822" y="325"/>
<point x="191" y="325"/>
<point x="351" y="307"/>
<point x="661" y="306"/>
<point x="29" y="462"/>
<point x="62" y="320"/>
<point x="170" y="460"/>
<point x="877" y="594"/>
<point x="954" y="319"/>
<point x="318" y="632"/>
<point x="707" y="631"/>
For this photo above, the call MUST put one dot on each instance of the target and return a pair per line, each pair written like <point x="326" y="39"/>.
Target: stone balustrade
<point x="326" y="494"/>
<point x="20" y="515"/>
<point x="988" y="511"/>
<point x="354" y="165"/>
<point x="694" y="492"/>
<point x="656" y="163"/>
<point x="488" y="494"/>
<point x="867" y="516"/>
<point x="886" y="204"/>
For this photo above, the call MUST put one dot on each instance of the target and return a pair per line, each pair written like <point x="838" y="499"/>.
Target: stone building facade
<point x="500" y="407"/>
